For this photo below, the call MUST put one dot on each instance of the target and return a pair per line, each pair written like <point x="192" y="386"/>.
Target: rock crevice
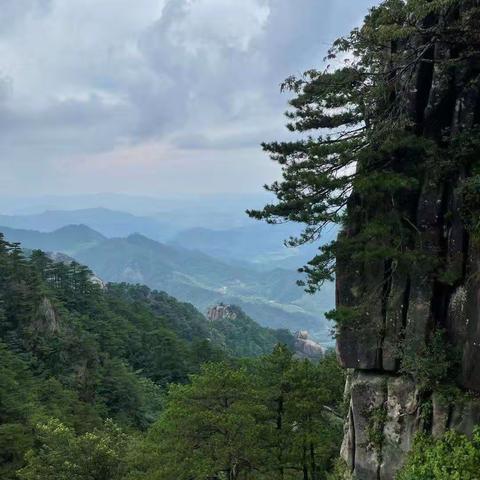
<point x="408" y="308"/>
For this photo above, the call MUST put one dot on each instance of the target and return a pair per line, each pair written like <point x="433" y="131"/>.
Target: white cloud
<point x="82" y="78"/>
<point x="207" y="26"/>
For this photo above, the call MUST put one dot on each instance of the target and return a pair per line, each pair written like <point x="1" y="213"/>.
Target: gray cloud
<point x="14" y="12"/>
<point x="101" y="77"/>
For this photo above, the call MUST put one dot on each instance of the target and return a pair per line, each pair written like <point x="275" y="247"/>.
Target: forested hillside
<point x="82" y="354"/>
<point x="86" y="370"/>
<point x="270" y="297"/>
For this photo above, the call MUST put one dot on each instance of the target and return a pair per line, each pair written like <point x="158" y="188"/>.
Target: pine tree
<point x="362" y="152"/>
<point x="275" y="386"/>
<point x="209" y="429"/>
<point x="99" y="455"/>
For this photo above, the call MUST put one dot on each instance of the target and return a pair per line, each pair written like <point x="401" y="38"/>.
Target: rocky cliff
<point x="305" y="347"/>
<point x="415" y="321"/>
<point x="221" y="312"/>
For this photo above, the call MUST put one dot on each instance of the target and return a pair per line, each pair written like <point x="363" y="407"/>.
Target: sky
<point x="154" y="97"/>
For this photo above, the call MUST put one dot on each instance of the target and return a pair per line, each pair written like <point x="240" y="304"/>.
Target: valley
<point x="244" y="265"/>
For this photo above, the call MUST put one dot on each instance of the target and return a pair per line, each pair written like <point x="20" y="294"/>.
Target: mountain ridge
<point x="270" y="297"/>
<point x="108" y="222"/>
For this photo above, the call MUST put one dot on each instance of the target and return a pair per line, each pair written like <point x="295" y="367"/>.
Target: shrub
<point x="452" y="457"/>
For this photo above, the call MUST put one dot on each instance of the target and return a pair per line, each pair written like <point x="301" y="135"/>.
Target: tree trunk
<point x="281" y="470"/>
<point x="304" y="462"/>
<point x="313" y="466"/>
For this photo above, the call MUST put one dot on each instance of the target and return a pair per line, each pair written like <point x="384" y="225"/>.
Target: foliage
<point x="98" y="455"/>
<point x="84" y="370"/>
<point x="468" y="190"/>
<point x="453" y="457"/>
<point x="209" y="426"/>
<point x="243" y="337"/>
<point x="431" y="364"/>
<point x="340" y="471"/>
<point x="272" y="418"/>
<point x="15" y="438"/>
<point x="377" y="417"/>
<point x="80" y="353"/>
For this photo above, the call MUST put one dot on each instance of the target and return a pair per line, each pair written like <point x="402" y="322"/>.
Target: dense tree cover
<point x="63" y="455"/>
<point x="269" y="418"/>
<point x="243" y="337"/>
<point x="453" y="457"/>
<point x="85" y="370"/>
<point x="79" y="353"/>
<point x="237" y="335"/>
<point x="272" y="417"/>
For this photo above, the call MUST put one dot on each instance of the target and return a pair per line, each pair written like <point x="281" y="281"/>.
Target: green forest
<point x="122" y="382"/>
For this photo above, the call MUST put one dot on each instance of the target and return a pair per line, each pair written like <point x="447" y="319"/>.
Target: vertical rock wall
<point x="386" y="408"/>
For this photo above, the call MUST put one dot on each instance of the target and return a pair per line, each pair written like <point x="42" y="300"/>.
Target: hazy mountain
<point x="260" y="244"/>
<point x="110" y="223"/>
<point x="121" y="215"/>
<point x="211" y="211"/>
<point x="219" y="211"/>
<point x="68" y="240"/>
<point x="134" y="204"/>
<point x="270" y="297"/>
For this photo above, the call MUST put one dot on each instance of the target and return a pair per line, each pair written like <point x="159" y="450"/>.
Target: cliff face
<point x="388" y="407"/>
<point x="221" y="312"/>
<point x="305" y="347"/>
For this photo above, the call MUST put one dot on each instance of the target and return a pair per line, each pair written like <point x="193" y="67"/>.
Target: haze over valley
<point x="204" y="255"/>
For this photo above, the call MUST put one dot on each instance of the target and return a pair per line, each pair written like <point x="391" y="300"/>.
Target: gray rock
<point x="368" y="396"/>
<point x="47" y="320"/>
<point x="401" y="425"/>
<point x="306" y="347"/>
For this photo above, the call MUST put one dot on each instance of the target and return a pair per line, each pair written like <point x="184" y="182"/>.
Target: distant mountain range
<point x="270" y="296"/>
<point x="180" y="212"/>
<point x="259" y="244"/>
<point x="256" y="244"/>
<point x="69" y="240"/>
<point x="110" y="223"/>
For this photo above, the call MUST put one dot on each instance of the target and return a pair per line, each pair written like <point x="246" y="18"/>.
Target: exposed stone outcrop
<point x="220" y="312"/>
<point x="385" y="414"/>
<point x="305" y="347"/>
<point x="47" y="319"/>
<point x="386" y="409"/>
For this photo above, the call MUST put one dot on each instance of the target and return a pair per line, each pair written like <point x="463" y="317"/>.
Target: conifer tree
<point x="362" y="152"/>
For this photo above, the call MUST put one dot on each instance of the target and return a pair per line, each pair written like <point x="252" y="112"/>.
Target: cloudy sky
<point x="152" y="96"/>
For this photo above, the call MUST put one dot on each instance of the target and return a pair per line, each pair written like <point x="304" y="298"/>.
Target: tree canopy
<point x="271" y="418"/>
<point x="453" y="456"/>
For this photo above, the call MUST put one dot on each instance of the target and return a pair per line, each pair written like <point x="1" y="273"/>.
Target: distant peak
<point x="138" y="238"/>
<point x="79" y="229"/>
